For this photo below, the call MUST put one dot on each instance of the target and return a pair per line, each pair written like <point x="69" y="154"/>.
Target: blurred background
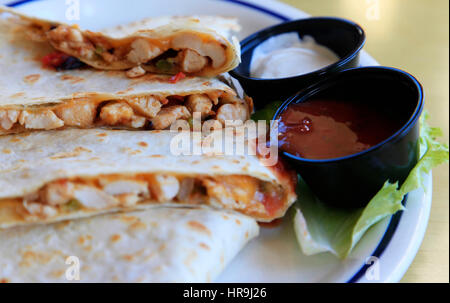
<point x="412" y="35"/>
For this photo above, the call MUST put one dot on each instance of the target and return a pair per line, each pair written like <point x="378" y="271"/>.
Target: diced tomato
<point x="54" y="59"/>
<point x="177" y="77"/>
<point x="272" y="202"/>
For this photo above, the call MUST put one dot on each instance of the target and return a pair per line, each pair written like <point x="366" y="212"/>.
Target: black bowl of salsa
<point x="347" y="135"/>
<point x="343" y="37"/>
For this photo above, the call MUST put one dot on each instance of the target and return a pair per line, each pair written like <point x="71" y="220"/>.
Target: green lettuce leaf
<point x="321" y="228"/>
<point x="267" y="112"/>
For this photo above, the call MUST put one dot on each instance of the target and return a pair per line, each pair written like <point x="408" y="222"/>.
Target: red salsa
<point x="327" y="129"/>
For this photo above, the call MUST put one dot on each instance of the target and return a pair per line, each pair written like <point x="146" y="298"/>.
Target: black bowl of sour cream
<point x="349" y="134"/>
<point x="283" y="59"/>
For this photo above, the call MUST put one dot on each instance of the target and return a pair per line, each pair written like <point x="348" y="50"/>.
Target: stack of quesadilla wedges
<point x="86" y="165"/>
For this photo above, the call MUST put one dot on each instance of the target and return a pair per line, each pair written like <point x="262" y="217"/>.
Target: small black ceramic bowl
<point x="343" y="37"/>
<point x="352" y="181"/>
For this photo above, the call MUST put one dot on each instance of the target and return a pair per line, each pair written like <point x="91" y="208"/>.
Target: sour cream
<point x="287" y="55"/>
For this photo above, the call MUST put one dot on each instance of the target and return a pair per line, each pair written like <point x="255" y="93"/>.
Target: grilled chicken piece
<point x="125" y="187"/>
<point x="81" y="114"/>
<point x="200" y="103"/>
<point x="147" y="106"/>
<point x="68" y="38"/>
<point x="169" y="115"/>
<point x="212" y="50"/>
<point x="232" y="112"/>
<point x="92" y="197"/>
<point x="8" y="118"/>
<point x="45" y="119"/>
<point x="39" y="209"/>
<point x="164" y="188"/>
<point x="142" y="51"/>
<point x="57" y="193"/>
<point x="136" y="72"/>
<point x="191" y="61"/>
<point x="115" y="113"/>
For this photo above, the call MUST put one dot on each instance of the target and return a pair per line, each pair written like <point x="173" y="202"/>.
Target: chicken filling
<point x="147" y="112"/>
<point x="183" y="52"/>
<point x="242" y="193"/>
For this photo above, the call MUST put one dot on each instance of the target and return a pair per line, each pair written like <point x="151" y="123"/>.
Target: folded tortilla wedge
<point x="58" y="175"/>
<point x="157" y="245"/>
<point x="193" y="45"/>
<point x="35" y="97"/>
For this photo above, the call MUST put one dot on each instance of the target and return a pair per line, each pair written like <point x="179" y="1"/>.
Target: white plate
<point x="275" y="256"/>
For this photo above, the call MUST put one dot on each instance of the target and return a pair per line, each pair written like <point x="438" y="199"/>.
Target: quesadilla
<point x="157" y="245"/>
<point x="167" y="45"/>
<point x="58" y="175"/>
<point x="35" y="97"/>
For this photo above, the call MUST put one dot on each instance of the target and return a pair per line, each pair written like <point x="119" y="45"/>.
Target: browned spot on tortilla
<point x="94" y="159"/>
<point x="57" y="273"/>
<point x="161" y="247"/>
<point x="238" y="222"/>
<point x="75" y="153"/>
<point x="4" y="280"/>
<point x="30" y="79"/>
<point x="15" y="140"/>
<point x="143" y="144"/>
<point x="135" y="152"/>
<point x="81" y="240"/>
<point x="63" y="224"/>
<point x="6" y="151"/>
<point x="246" y="235"/>
<point x="123" y="92"/>
<point x="199" y="227"/>
<point x="138" y="225"/>
<point x="25" y="175"/>
<point x="190" y="257"/>
<point x="205" y="246"/>
<point x="207" y="83"/>
<point x="115" y="238"/>
<point x="128" y="219"/>
<point x="195" y="162"/>
<point x="131" y="151"/>
<point x="236" y="161"/>
<point x="30" y="257"/>
<point x="102" y="135"/>
<point x="87" y="248"/>
<point x="85" y="268"/>
<point x="128" y="257"/>
<point x="21" y="94"/>
<point x="216" y="167"/>
<point x="225" y="217"/>
<point x="72" y="79"/>
<point x="156" y="156"/>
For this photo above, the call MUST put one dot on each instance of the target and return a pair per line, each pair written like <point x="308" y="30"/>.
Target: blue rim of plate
<point x="395" y="219"/>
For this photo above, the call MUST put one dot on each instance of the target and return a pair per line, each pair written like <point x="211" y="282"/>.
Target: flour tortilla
<point x="27" y="85"/>
<point x="157" y="245"/>
<point x="160" y="32"/>
<point x="29" y="162"/>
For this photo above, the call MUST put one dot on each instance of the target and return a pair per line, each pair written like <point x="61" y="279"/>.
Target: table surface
<point x="411" y="35"/>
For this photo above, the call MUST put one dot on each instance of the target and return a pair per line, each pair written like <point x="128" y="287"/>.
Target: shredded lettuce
<point x="321" y="228"/>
